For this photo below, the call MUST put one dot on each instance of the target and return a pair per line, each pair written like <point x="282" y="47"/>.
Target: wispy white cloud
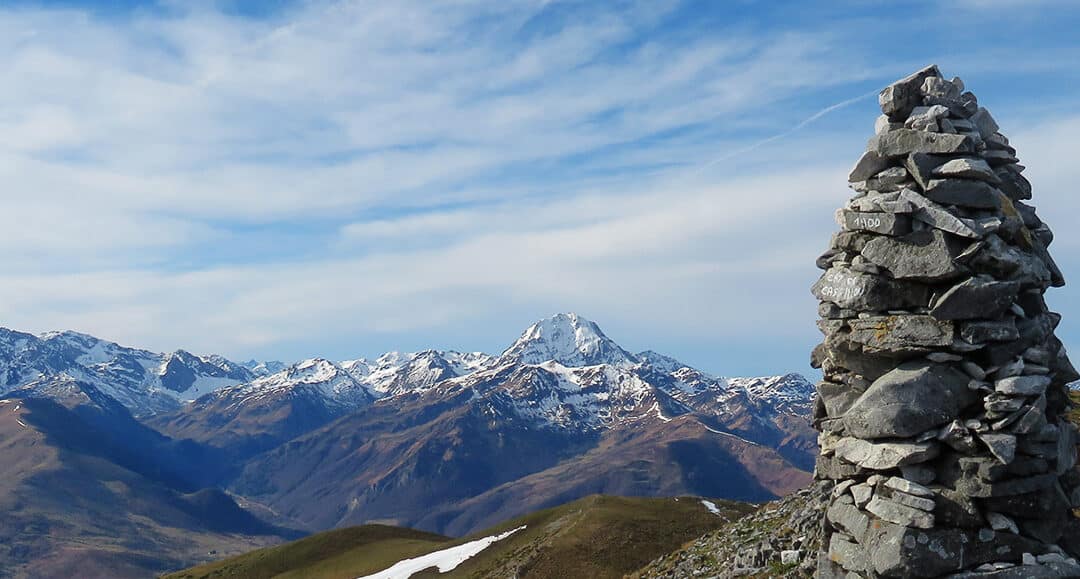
<point x="646" y="252"/>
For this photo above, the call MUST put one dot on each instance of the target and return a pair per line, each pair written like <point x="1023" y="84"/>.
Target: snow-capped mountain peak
<point x="265" y="367"/>
<point x="315" y="375"/>
<point x="396" y="373"/>
<point x="569" y="340"/>
<point x="660" y="361"/>
<point x="313" y="370"/>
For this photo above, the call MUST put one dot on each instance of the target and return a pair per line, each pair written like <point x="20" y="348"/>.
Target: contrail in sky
<point x="782" y="135"/>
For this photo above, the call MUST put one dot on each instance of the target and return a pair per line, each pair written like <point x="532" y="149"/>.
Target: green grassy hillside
<point x="598" y="536"/>
<point x="341" y="553"/>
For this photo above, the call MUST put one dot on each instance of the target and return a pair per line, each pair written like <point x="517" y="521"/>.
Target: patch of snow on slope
<point x="659" y="414"/>
<point x="203" y="385"/>
<point x="711" y="506"/>
<point x="445" y="560"/>
<point x="728" y="434"/>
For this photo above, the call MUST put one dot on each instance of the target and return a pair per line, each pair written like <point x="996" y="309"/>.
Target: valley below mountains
<point x="123" y="462"/>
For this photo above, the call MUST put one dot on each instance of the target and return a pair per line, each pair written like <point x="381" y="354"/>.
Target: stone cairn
<point x="941" y="408"/>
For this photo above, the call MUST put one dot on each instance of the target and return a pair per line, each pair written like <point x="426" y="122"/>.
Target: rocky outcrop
<point x="780" y="539"/>
<point x="943" y="405"/>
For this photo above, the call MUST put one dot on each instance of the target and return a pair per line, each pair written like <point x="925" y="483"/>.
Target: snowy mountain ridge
<point x="145" y="382"/>
<point x="321" y="377"/>
<point x="565" y="373"/>
<point x="562" y="372"/>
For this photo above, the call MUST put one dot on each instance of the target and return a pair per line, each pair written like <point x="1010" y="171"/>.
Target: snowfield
<point x="445" y="560"/>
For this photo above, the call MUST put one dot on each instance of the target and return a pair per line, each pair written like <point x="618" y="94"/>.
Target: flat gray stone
<point x="927" y="255"/>
<point x="938" y="88"/>
<point x="884" y="455"/>
<point x="938" y="217"/>
<point x="862" y="493"/>
<point x="902" y="142"/>
<point x="836" y="397"/>
<point x="870" y="164"/>
<point x="973" y="370"/>
<point x="967" y="168"/>
<point x="1013" y="368"/>
<point x="883" y="223"/>
<point x="887" y="179"/>
<point x="921" y="167"/>
<point x="975" y="297"/>
<point x="909" y="487"/>
<point x="902" y="334"/>
<point x="1031" y="385"/>
<point x="918" y="473"/>
<point x="898" y="99"/>
<point x="926" y="118"/>
<point x="981" y="331"/>
<point x="920" y="503"/>
<point x="1030" y="421"/>
<point x="872" y="202"/>
<point x="979" y="488"/>
<point x="1047" y="571"/>
<point x="1013" y="184"/>
<point x="858" y="291"/>
<point x="848" y="518"/>
<point x="911" y="399"/>
<point x="848" y="555"/>
<point x="997" y="158"/>
<point x="898" y="551"/>
<point x="1066" y="449"/>
<point x="964" y="192"/>
<point x="985" y="123"/>
<point x="883" y="124"/>
<point x="1002" y="446"/>
<point x="1000" y="522"/>
<point x="899" y="514"/>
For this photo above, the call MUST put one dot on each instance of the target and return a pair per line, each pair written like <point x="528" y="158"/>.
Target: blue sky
<point x="290" y="179"/>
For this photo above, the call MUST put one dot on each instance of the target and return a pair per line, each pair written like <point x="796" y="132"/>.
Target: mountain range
<point x="439" y="441"/>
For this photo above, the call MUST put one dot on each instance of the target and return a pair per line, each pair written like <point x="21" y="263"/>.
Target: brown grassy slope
<point x="598" y="536"/>
<point x="69" y="513"/>
<point x="338" y="554"/>
<point x="681" y="457"/>
<point x="603" y="537"/>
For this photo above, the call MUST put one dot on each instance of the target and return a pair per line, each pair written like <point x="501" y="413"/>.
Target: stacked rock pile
<point x="941" y="408"/>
